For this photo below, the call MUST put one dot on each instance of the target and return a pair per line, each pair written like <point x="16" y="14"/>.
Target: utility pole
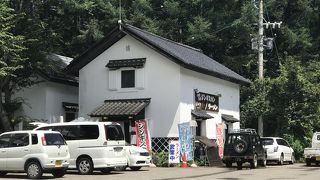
<point x="258" y="44"/>
<point x="260" y="59"/>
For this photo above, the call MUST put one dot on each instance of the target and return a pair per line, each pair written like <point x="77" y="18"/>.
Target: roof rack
<point x="248" y="130"/>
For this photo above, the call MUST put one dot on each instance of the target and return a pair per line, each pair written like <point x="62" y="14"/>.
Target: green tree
<point x="12" y="64"/>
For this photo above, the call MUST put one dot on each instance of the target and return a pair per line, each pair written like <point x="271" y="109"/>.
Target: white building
<point x="132" y="74"/>
<point x="55" y="96"/>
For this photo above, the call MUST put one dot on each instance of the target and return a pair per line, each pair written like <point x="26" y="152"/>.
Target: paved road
<point x="271" y="172"/>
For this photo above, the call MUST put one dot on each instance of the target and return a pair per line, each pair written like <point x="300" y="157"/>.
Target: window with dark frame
<point x="127" y="78"/>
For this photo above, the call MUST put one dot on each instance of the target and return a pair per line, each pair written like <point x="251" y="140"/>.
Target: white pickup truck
<point x="312" y="155"/>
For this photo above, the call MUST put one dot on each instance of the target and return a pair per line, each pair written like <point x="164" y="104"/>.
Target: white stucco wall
<point x="44" y="100"/>
<point x="169" y="86"/>
<point x="161" y="84"/>
<point x="229" y="100"/>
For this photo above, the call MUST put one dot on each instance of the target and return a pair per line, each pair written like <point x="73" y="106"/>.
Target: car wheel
<point x="58" y="173"/>
<point x="34" y="170"/>
<point x="308" y="161"/>
<point x="239" y="165"/>
<point x="134" y="168"/>
<point x="281" y="159"/>
<point x="228" y="164"/>
<point x="240" y="146"/>
<point x="263" y="162"/>
<point x="85" y="166"/>
<point x="254" y="162"/>
<point x="105" y="170"/>
<point x="293" y="159"/>
<point x="2" y="173"/>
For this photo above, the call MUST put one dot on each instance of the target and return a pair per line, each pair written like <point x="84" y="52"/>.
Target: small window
<point x="68" y="132"/>
<point x="19" y="140"/>
<point x="127" y="79"/>
<point x="4" y="140"/>
<point x="114" y="132"/>
<point x="89" y="132"/>
<point x="34" y="138"/>
<point x="54" y="139"/>
<point x="70" y="116"/>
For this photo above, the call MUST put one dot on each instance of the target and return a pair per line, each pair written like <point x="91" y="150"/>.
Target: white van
<point x="33" y="152"/>
<point x="92" y="145"/>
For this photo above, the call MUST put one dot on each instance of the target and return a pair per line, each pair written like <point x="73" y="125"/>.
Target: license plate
<point x="318" y="158"/>
<point x="58" y="163"/>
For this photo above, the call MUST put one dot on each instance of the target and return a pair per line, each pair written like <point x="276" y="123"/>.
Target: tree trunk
<point x="4" y="121"/>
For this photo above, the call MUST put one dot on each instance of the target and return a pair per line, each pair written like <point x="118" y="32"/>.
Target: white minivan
<point x="92" y="145"/>
<point x="33" y="152"/>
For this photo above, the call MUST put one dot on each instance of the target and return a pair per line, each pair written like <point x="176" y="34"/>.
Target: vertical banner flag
<point x="219" y="133"/>
<point x="142" y="134"/>
<point x="174" y="152"/>
<point x="185" y="139"/>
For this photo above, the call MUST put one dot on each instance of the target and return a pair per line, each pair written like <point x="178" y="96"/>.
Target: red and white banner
<point x="142" y="134"/>
<point x="219" y="133"/>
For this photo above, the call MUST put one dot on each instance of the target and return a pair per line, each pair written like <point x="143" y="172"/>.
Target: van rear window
<point x="114" y="132"/>
<point x="54" y="139"/>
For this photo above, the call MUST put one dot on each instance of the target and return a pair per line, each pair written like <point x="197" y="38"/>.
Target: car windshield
<point x="267" y="141"/>
<point x="54" y="139"/>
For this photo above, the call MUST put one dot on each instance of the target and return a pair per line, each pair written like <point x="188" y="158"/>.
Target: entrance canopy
<point x="201" y="115"/>
<point x="229" y="118"/>
<point x="120" y="107"/>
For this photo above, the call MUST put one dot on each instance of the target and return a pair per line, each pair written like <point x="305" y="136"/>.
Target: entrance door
<point x="127" y="131"/>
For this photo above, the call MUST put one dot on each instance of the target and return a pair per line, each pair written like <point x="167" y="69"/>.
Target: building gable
<point x="181" y="54"/>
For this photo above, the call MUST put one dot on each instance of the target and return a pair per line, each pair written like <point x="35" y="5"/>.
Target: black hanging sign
<point x="206" y="102"/>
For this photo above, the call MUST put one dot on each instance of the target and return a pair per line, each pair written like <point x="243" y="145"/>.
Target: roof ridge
<point x="166" y="39"/>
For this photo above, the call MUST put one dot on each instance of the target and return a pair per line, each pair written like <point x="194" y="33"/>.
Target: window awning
<point x="201" y="115"/>
<point x="70" y="106"/>
<point x="135" y="63"/>
<point x="229" y="118"/>
<point x="121" y="107"/>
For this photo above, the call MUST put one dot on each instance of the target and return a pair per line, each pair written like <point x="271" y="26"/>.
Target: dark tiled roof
<point x="70" y="106"/>
<point x="135" y="63"/>
<point x="188" y="57"/>
<point x="56" y="73"/>
<point x="201" y="114"/>
<point x="126" y="107"/>
<point x="229" y="118"/>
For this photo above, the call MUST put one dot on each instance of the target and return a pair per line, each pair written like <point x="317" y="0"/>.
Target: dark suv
<point x="244" y="145"/>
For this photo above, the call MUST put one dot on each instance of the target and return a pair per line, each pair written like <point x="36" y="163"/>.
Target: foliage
<point x="161" y="159"/>
<point x="288" y="98"/>
<point x="12" y="64"/>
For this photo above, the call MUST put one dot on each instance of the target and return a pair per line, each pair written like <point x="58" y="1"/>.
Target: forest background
<point x="288" y="98"/>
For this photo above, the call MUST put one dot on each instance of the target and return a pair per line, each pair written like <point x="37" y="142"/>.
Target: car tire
<point x="239" y="165"/>
<point x="263" y="162"/>
<point x="34" y="170"/>
<point x="58" y="173"/>
<point x="240" y="146"/>
<point x="85" y="166"/>
<point x="308" y="161"/>
<point x="228" y="164"/>
<point x="2" y="173"/>
<point x="254" y="162"/>
<point x="293" y="159"/>
<point x="281" y="160"/>
<point x="135" y="168"/>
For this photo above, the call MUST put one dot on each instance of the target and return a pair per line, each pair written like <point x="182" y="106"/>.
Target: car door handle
<point x="26" y="150"/>
<point x="3" y="151"/>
